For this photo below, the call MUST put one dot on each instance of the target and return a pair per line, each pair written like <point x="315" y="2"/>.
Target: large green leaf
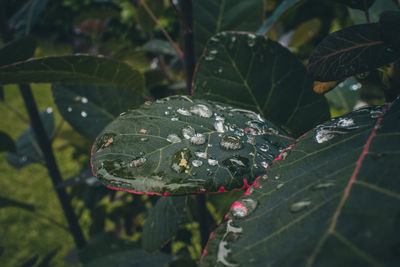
<point x="76" y="69"/>
<point x="162" y="222"/>
<point x="351" y="51"/>
<point x="256" y="73"/>
<point x="17" y="50"/>
<point x="333" y="199"/>
<point x="179" y="146"/>
<point x="214" y="16"/>
<point x="28" y="150"/>
<point x="89" y="108"/>
<point x="23" y="20"/>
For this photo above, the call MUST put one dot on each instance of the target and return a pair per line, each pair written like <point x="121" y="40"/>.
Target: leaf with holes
<point x="28" y="150"/>
<point x="162" y="222"/>
<point x="332" y="199"/>
<point x="88" y="108"/>
<point x="179" y="146"/>
<point x="74" y="70"/>
<point x="214" y="16"/>
<point x="351" y="51"/>
<point x="256" y="73"/>
<point x="17" y="50"/>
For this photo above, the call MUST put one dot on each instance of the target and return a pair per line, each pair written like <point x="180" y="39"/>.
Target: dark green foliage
<point x="332" y="198"/>
<point x="7" y="143"/>
<point x="17" y="50"/>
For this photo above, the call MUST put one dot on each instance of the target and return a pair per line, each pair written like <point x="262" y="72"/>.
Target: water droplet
<point x="279" y="186"/>
<point x="233" y="39"/>
<point x="219" y="126"/>
<point x="223" y="251"/>
<point x="201" y="154"/>
<point x="49" y="110"/>
<point x="322" y="186"/>
<point x="231" y="142"/>
<point x="201" y="110"/>
<point x="173" y="138"/>
<point x="84" y="100"/>
<point x="84" y="114"/>
<point x="197" y="163"/>
<point x="198" y="139"/>
<point x="69" y="109"/>
<point x="166" y="112"/>
<point x="323" y="135"/>
<point x="249" y="114"/>
<point x="376" y="113"/>
<point x="214" y="39"/>
<point x="188" y="132"/>
<point x="345" y="122"/>
<point x="298" y="206"/>
<point x="264" y="177"/>
<point x="212" y="162"/>
<point x="251" y="140"/>
<point x="251" y="39"/>
<point x="174" y="119"/>
<point x="389" y="49"/>
<point x="213" y="52"/>
<point x="264" y="164"/>
<point x="237" y="165"/>
<point x="147" y="103"/>
<point x="220" y="70"/>
<point x="138" y="162"/>
<point x="144" y="139"/>
<point x="184" y="112"/>
<point x="160" y="101"/>
<point x="277" y="177"/>
<point x="243" y="207"/>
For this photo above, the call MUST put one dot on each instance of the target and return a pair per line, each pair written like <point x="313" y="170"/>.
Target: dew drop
<point x="84" y="100"/>
<point x="251" y="39"/>
<point x="201" y="154"/>
<point x="197" y="163"/>
<point x="212" y="162"/>
<point x="198" y="139"/>
<point x="277" y="177"/>
<point x="233" y="39"/>
<point x="84" y="114"/>
<point x="298" y="206"/>
<point x="144" y="139"/>
<point x="49" y="110"/>
<point x="389" y="49"/>
<point x="220" y="70"/>
<point x="166" y="112"/>
<point x="375" y="113"/>
<point x="244" y="207"/>
<point x="138" y="162"/>
<point x="174" y="119"/>
<point x="237" y="165"/>
<point x="147" y="103"/>
<point x="322" y="135"/>
<point x="219" y="126"/>
<point x="184" y="112"/>
<point x="279" y="186"/>
<point x="264" y="164"/>
<point x="345" y="122"/>
<point x="69" y="109"/>
<point x="322" y="186"/>
<point x="201" y="110"/>
<point x="214" y="39"/>
<point x="188" y="132"/>
<point x="231" y="142"/>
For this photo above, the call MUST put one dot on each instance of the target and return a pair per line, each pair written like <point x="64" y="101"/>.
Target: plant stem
<point x="188" y="41"/>
<point x="151" y="14"/>
<point x="366" y="12"/>
<point x="45" y="145"/>
<point x="203" y="219"/>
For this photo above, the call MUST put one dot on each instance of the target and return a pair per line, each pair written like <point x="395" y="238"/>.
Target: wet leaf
<point x="333" y="199"/>
<point x="74" y="70"/>
<point x="284" y="5"/>
<point x="351" y="51"/>
<point x="179" y="146"/>
<point x="89" y="108"/>
<point x="6" y="143"/>
<point x="214" y="16"/>
<point x="256" y="73"/>
<point x="357" y="4"/>
<point x="159" y="47"/>
<point x="7" y="202"/>
<point x="28" y="150"/>
<point x="17" y="50"/>
<point x="162" y="222"/>
<point x="23" y="20"/>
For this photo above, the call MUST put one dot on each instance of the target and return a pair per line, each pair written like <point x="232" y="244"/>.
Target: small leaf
<point x="333" y="199"/>
<point x="74" y="70"/>
<point x="389" y="23"/>
<point x="89" y="108"/>
<point x="6" y="202"/>
<point x="159" y="47"/>
<point x="162" y="222"/>
<point x="351" y="51"/>
<point x="214" y="16"/>
<point x="17" y="50"/>
<point x="357" y="4"/>
<point x="179" y="146"/>
<point x="253" y="72"/>
<point x="28" y="150"/>
<point x="23" y="20"/>
<point x="323" y="87"/>
<point x="284" y="5"/>
<point x="6" y="143"/>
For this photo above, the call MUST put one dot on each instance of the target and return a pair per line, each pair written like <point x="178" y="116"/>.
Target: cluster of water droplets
<point x="332" y="129"/>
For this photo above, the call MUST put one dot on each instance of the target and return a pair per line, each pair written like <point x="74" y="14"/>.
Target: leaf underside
<point x="137" y="153"/>
<point x="335" y="202"/>
<point x="253" y="72"/>
<point x="351" y="51"/>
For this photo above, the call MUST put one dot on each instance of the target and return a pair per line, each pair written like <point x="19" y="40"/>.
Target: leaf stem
<point x="366" y="12"/>
<point x="151" y="14"/>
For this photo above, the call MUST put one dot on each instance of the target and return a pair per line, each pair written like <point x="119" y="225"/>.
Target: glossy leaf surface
<point x="28" y="150"/>
<point x="332" y="199"/>
<point x="180" y="146"/>
<point x="214" y="16"/>
<point x="17" y="50"/>
<point x="74" y="70"/>
<point x="162" y="222"/>
<point x="256" y="73"/>
<point x="6" y="143"/>
<point x="89" y="108"/>
<point x="351" y="51"/>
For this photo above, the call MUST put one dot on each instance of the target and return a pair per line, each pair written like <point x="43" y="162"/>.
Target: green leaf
<point x="256" y="73"/>
<point x="167" y="148"/>
<point x="358" y="16"/>
<point x="6" y="202"/>
<point x="357" y="4"/>
<point x="74" y="70"/>
<point x="89" y="108"/>
<point x="345" y="95"/>
<point x="284" y="5"/>
<point x="214" y="16"/>
<point x="351" y="51"/>
<point x="7" y="143"/>
<point x="137" y="258"/>
<point x="333" y="200"/>
<point x="162" y="222"/>
<point x="17" y="50"/>
<point x="389" y="23"/>
<point x="28" y="150"/>
<point x="23" y="20"/>
<point x="159" y="47"/>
